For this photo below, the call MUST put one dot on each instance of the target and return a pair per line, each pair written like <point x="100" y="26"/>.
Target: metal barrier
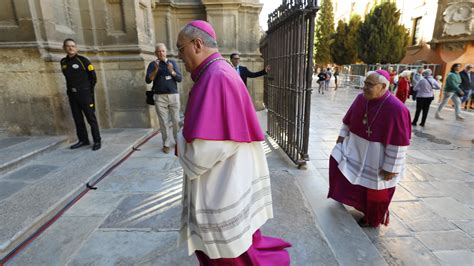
<point x="352" y="81"/>
<point x="288" y="49"/>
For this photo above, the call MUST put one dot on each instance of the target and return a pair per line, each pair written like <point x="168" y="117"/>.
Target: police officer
<point x="80" y="80"/>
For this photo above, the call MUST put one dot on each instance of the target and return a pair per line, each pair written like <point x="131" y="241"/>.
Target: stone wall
<point x="118" y="36"/>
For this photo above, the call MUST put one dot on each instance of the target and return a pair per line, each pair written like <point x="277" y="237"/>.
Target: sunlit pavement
<point x="432" y="216"/>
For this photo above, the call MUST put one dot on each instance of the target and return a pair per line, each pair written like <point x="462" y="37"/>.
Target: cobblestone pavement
<point x="432" y="216"/>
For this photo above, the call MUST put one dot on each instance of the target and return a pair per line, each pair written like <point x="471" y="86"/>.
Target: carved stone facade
<point x="119" y="37"/>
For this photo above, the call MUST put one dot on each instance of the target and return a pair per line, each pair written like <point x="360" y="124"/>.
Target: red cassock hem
<point x="264" y="251"/>
<point x="373" y="203"/>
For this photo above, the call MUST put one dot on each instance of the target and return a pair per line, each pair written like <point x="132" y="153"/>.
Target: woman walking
<point x="424" y="96"/>
<point x="452" y="91"/>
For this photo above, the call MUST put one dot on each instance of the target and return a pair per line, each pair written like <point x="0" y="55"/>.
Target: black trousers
<point x="422" y="104"/>
<point x="82" y="104"/>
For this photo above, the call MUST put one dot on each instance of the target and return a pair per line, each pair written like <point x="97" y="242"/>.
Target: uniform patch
<point x="91" y="105"/>
<point x="64" y="66"/>
<point x="90" y="67"/>
<point x="75" y="66"/>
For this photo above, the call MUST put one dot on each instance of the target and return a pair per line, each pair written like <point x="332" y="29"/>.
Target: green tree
<point x="324" y="31"/>
<point x="344" y="43"/>
<point x="382" y="38"/>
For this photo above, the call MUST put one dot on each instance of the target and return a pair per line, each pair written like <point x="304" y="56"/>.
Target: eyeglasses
<point x="369" y="84"/>
<point x="181" y="48"/>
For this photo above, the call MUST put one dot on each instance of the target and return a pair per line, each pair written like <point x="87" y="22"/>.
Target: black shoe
<point x="79" y="144"/>
<point x="422" y="125"/>
<point x="413" y="124"/>
<point x="96" y="146"/>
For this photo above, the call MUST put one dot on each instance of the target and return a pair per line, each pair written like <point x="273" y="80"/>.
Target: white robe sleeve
<point x="344" y="132"/>
<point x="200" y="156"/>
<point x="394" y="158"/>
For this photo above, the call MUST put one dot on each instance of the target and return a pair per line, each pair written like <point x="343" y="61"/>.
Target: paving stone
<point x="31" y="172"/>
<point x="455" y="257"/>
<point x="446" y="240"/>
<point x="22" y="210"/>
<point x="321" y="163"/>
<point x="405" y="251"/>
<point x="294" y="222"/>
<point x="445" y="172"/>
<point x="394" y="229"/>
<point x="132" y="248"/>
<point x="419" y="157"/>
<point x="413" y="173"/>
<point x="58" y="242"/>
<point x="8" y="188"/>
<point x="456" y="190"/>
<point x="348" y="242"/>
<point x="10" y="141"/>
<point x="88" y="206"/>
<point x="465" y="225"/>
<point x="422" y="189"/>
<point x="418" y="217"/>
<point x="450" y="208"/>
<point x="158" y="211"/>
<point x="401" y="194"/>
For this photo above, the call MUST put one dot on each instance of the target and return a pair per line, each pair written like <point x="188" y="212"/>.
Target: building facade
<point x="118" y="36"/>
<point x="441" y="31"/>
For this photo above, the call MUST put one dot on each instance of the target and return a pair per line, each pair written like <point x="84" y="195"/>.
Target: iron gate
<point x="288" y="49"/>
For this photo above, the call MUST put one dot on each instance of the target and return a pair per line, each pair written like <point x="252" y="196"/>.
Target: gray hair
<point x="427" y="72"/>
<point x="381" y="79"/>
<point x="158" y="45"/>
<point x="192" y="32"/>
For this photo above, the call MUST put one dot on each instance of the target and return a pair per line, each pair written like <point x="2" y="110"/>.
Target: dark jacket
<point x="246" y="73"/>
<point x="79" y="72"/>
<point x="465" y="83"/>
<point x="164" y="82"/>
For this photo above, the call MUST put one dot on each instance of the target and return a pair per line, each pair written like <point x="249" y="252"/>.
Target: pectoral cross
<point x="368" y="131"/>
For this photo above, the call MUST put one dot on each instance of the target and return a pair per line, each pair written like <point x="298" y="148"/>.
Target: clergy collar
<point x="381" y="98"/>
<point x="197" y="70"/>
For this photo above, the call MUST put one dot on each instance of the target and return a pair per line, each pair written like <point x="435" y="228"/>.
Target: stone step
<point x="34" y="193"/>
<point x="16" y="151"/>
<point x="347" y="240"/>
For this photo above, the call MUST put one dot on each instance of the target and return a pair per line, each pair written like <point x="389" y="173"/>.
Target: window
<point x="416" y="37"/>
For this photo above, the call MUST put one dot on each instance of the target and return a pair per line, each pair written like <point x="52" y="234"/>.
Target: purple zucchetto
<point x="383" y="73"/>
<point x="204" y="26"/>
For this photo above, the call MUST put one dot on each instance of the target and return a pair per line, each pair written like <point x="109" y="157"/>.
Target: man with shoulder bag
<point x="165" y="74"/>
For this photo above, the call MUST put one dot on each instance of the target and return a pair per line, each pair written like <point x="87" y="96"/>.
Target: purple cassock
<point x="377" y="135"/>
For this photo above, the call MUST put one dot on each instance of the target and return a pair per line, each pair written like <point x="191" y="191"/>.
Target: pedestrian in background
<point x="453" y="91"/>
<point x="467" y="85"/>
<point x="243" y="71"/>
<point x="322" y="77"/>
<point x="226" y="183"/>
<point x="165" y="74"/>
<point x="336" y="75"/>
<point x="424" y="96"/>
<point x="328" y="77"/>
<point x="369" y="158"/>
<point x="403" y="86"/>
<point x="80" y="81"/>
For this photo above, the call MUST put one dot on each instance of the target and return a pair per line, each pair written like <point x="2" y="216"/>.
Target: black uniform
<point x="81" y="79"/>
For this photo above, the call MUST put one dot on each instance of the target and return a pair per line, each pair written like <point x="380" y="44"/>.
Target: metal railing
<point x="288" y="49"/>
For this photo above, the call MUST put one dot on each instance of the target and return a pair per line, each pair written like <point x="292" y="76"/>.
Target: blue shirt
<point x="164" y="82"/>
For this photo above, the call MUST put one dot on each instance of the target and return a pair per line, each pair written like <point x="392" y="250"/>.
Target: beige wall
<point x="118" y="36"/>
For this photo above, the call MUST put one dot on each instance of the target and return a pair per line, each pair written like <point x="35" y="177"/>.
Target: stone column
<point x="238" y="30"/>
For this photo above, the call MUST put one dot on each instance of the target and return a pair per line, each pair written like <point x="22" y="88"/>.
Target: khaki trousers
<point x="167" y="108"/>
